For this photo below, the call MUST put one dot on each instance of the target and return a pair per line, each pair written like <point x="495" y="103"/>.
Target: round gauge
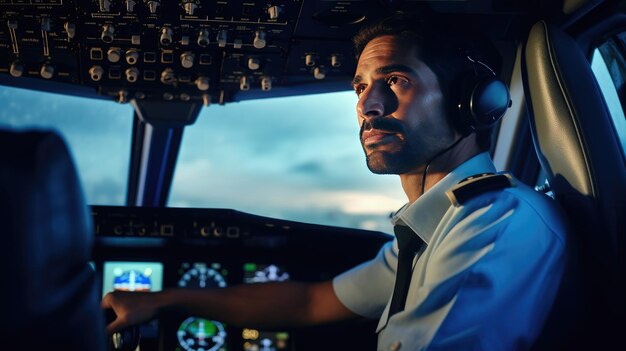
<point x="197" y="334"/>
<point x="201" y="276"/>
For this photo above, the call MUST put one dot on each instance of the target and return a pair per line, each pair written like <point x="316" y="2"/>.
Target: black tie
<point x="408" y="245"/>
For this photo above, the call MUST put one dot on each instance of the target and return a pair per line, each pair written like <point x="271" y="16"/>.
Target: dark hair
<point x="443" y="49"/>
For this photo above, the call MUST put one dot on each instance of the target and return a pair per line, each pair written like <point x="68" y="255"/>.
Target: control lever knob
<point x="16" y="69"/>
<point x="190" y="7"/>
<point x="221" y="38"/>
<point x="259" y="39"/>
<point x="47" y="71"/>
<point x="335" y="61"/>
<point x="203" y="38"/>
<point x="274" y="11"/>
<point x="105" y="5"/>
<point x="130" y="5"/>
<point x="319" y="73"/>
<point x="244" y="83"/>
<point x="70" y="28"/>
<point x="254" y="63"/>
<point x="153" y="5"/>
<point x="108" y="31"/>
<point x="266" y="83"/>
<point x="45" y="24"/>
<point x="166" y="36"/>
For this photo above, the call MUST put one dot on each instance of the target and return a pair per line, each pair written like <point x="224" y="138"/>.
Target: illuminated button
<point x="237" y="44"/>
<point x="184" y="40"/>
<point x="135" y="39"/>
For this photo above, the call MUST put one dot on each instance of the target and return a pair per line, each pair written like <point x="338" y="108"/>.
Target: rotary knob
<point x="153" y="6"/>
<point x="254" y="63"/>
<point x="96" y="73"/>
<point x="186" y="59"/>
<point x="202" y="83"/>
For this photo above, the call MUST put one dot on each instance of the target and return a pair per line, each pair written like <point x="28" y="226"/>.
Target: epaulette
<point x="478" y="184"/>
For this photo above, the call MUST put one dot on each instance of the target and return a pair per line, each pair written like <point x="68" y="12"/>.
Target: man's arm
<point x="268" y="305"/>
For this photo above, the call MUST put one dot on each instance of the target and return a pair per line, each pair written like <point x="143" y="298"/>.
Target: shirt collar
<point x="423" y="215"/>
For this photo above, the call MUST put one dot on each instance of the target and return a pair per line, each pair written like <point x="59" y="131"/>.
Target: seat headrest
<point x="47" y="243"/>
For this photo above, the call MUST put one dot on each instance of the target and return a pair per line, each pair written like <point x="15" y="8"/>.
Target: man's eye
<point x="359" y="89"/>
<point x="393" y="80"/>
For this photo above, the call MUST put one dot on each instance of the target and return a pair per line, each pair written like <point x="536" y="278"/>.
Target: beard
<point x="410" y="153"/>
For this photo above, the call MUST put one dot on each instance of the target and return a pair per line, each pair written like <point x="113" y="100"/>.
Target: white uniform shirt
<point x="485" y="280"/>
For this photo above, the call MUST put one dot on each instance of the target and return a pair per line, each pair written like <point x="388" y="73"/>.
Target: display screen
<point x="132" y="276"/>
<point x="258" y="340"/>
<point x="263" y="273"/>
<point x="202" y="275"/>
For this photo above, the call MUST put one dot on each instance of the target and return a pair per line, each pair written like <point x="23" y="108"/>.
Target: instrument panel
<point x="200" y="51"/>
<point x="150" y="249"/>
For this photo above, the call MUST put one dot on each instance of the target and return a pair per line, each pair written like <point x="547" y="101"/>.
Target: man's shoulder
<point x="502" y="192"/>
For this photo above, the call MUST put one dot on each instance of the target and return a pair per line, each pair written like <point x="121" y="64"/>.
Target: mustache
<point x="384" y="124"/>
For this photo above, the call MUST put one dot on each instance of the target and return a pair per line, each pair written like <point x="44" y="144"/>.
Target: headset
<point x="483" y="98"/>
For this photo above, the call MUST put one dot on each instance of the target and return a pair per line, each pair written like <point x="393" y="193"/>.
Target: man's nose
<point x="371" y="103"/>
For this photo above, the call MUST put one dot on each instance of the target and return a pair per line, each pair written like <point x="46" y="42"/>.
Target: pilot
<point x="478" y="255"/>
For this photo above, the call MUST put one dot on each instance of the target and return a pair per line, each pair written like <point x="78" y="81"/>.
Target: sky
<point x="295" y="158"/>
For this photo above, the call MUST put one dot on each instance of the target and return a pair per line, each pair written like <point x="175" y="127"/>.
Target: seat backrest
<point x="49" y="297"/>
<point x="580" y="152"/>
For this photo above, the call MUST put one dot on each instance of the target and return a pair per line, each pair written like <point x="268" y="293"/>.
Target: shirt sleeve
<point x="490" y="281"/>
<point x="366" y="288"/>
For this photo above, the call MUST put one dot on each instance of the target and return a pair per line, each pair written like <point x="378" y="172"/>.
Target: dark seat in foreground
<point x="49" y="293"/>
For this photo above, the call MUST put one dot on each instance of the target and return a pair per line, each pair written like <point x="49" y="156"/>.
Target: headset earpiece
<point x="484" y="99"/>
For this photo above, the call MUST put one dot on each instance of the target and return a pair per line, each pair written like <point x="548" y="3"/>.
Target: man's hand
<point x="130" y="308"/>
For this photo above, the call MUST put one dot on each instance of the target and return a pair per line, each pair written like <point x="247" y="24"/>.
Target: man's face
<point x="400" y="108"/>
